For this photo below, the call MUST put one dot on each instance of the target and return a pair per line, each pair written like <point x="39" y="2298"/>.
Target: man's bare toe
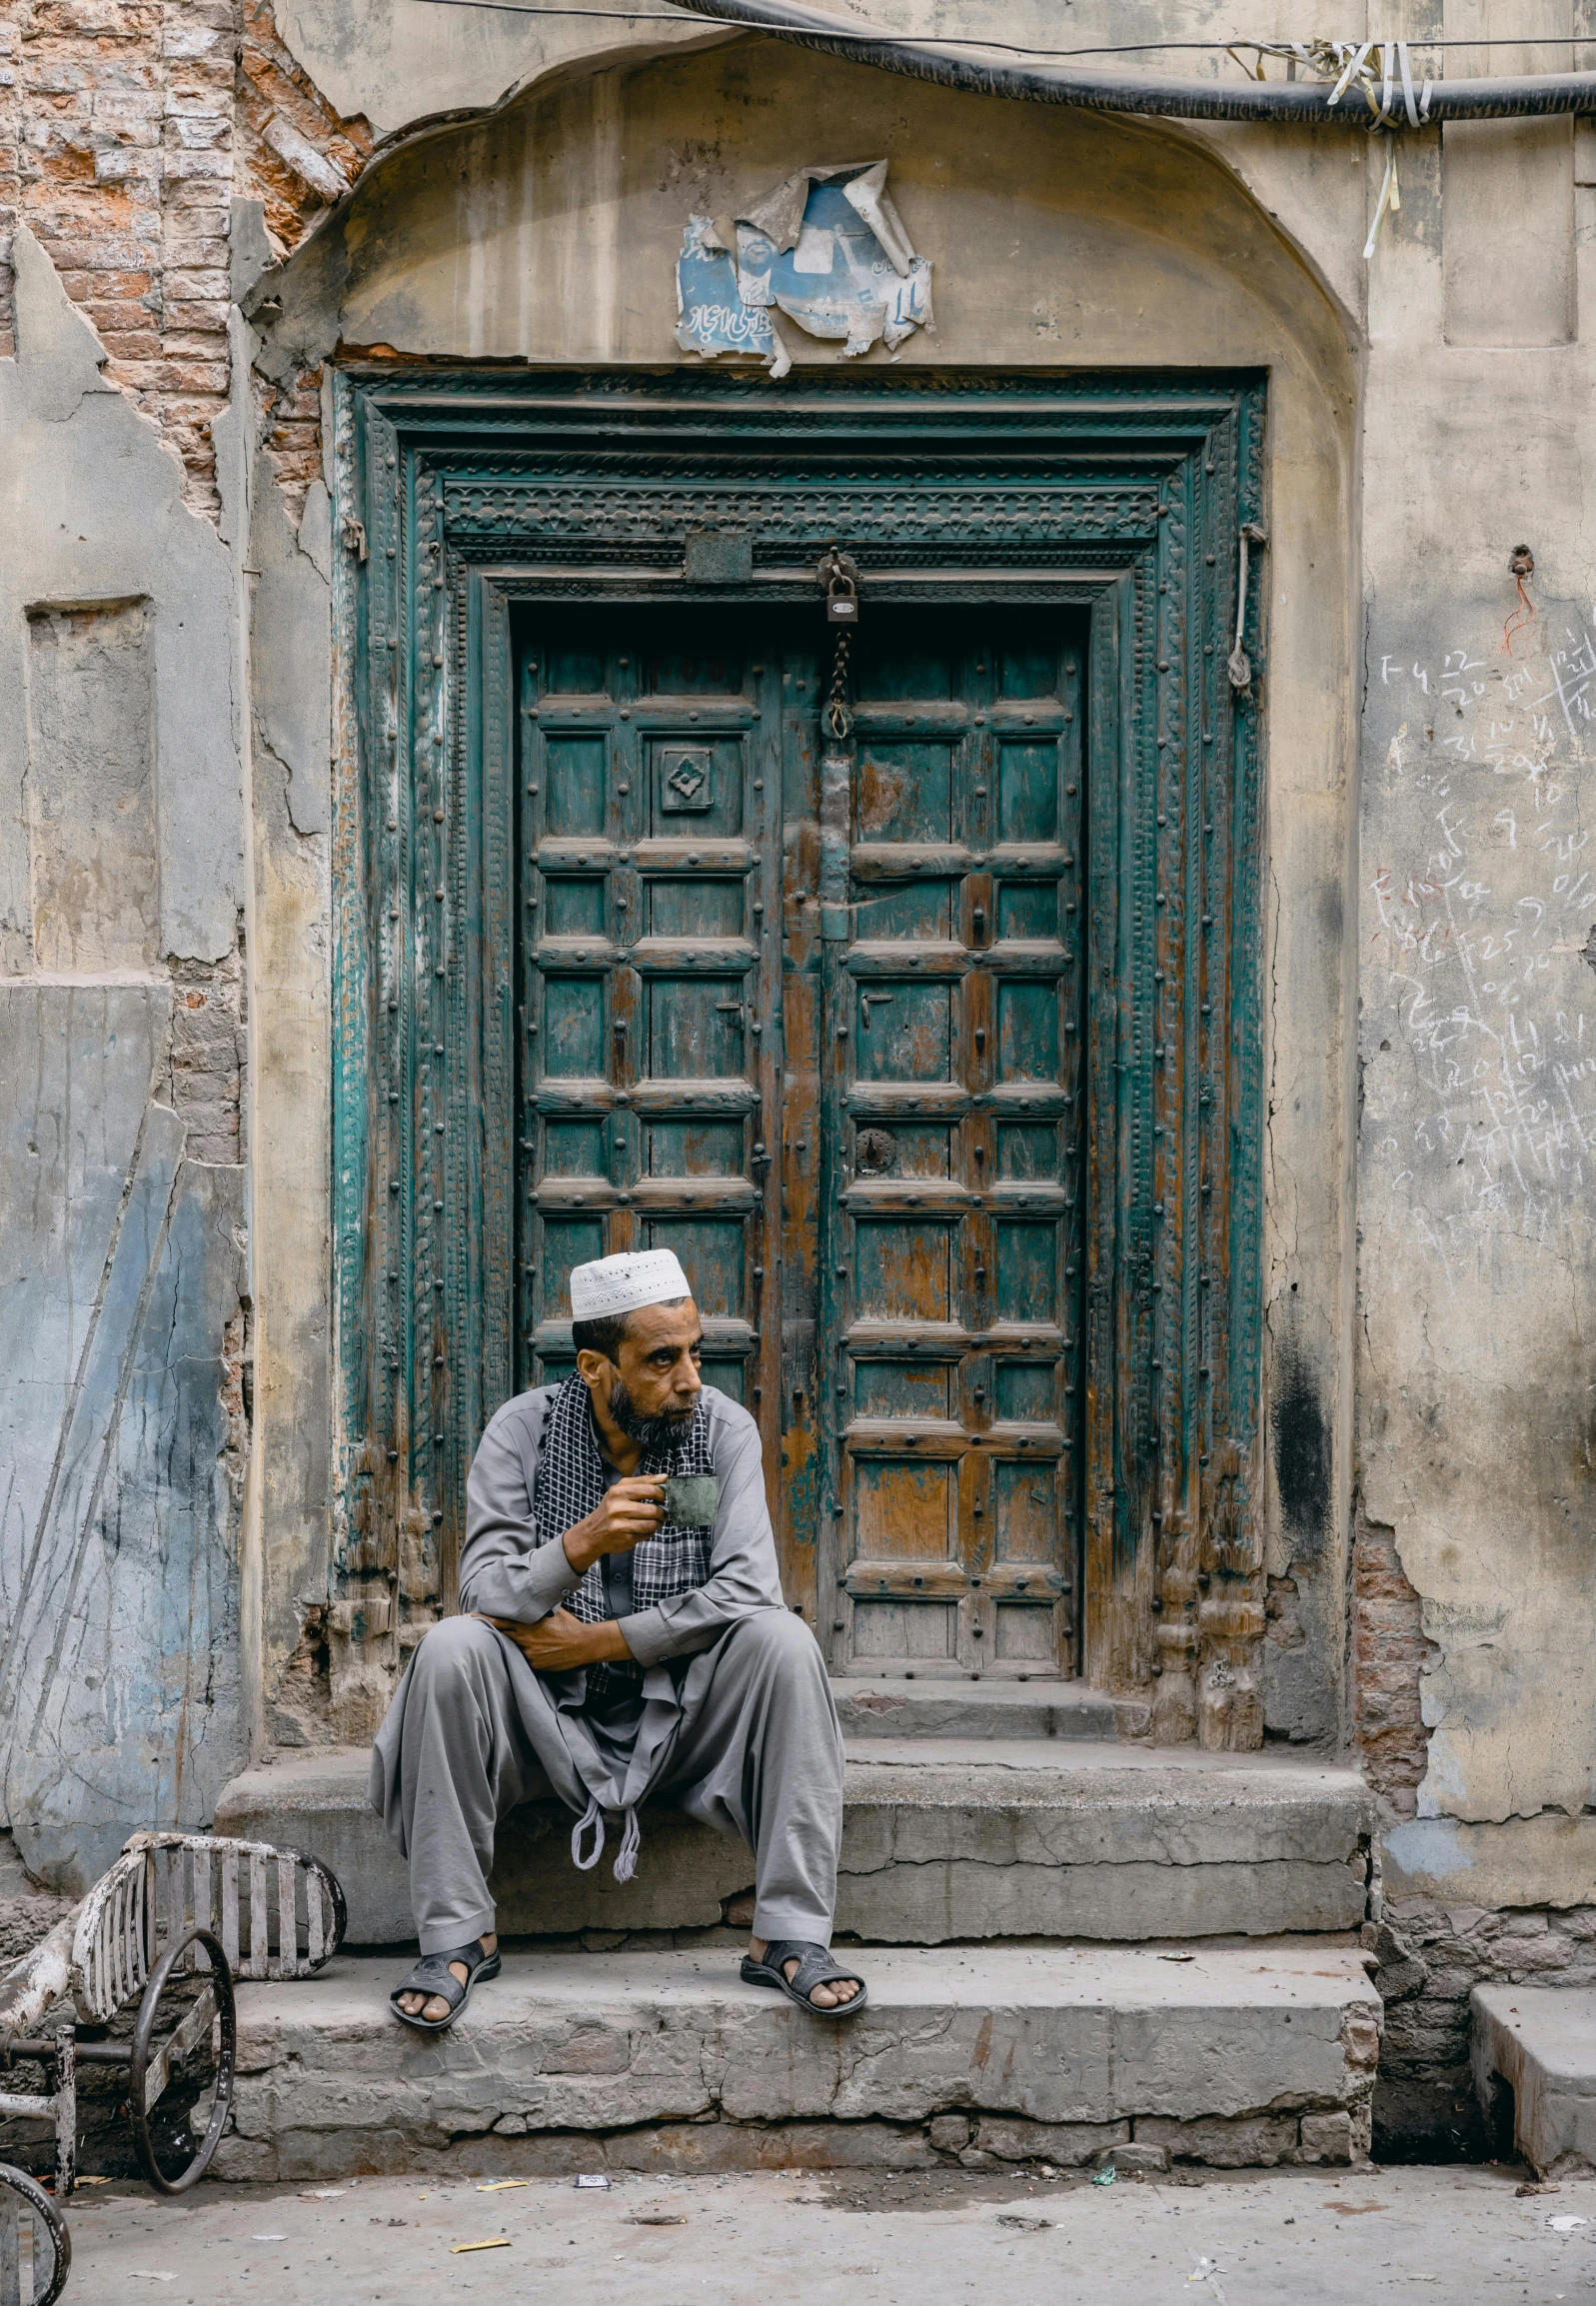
<point x="823" y="1997"/>
<point x="835" y="1996"/>
<point x="434" y="2007"/>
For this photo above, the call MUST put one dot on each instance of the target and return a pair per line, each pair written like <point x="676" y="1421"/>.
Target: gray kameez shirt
<point x="505" y="1572"/>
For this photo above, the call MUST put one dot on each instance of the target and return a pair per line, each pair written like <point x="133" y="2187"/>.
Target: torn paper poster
<point x="825" y="247"/>
<point x="710" y="314"/>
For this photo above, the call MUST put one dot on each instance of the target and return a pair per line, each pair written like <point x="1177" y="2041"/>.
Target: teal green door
<point x="918" y="1220"/>
<point x="650" y="795"/>
<point x="952" y="1289"/>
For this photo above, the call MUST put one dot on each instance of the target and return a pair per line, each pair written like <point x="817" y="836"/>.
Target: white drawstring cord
<point x="592" y="1816"/>
<point x="626" y="1864"/>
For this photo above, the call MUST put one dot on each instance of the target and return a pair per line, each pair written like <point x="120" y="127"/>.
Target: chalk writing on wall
<point x="1480" y="897"/>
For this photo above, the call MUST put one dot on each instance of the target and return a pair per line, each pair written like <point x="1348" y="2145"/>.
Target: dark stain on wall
<point x="1301" y="1451"/>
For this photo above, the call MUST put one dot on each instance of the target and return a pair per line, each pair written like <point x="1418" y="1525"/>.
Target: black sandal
<point x="814" y="1968"/>
<point x="432" y="1975"/>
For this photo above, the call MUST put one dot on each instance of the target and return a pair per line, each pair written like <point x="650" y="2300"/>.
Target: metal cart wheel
<point x="333" y="1891"/>
<point x="22" y="2197"/>
<point x="152" y="2062"/>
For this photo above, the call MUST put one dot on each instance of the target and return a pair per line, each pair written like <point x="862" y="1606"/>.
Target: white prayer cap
<point x="612" y="1285"/>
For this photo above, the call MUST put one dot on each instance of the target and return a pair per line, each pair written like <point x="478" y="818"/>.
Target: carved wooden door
<point x="563" y="1023"/>
<point x="649" y="778"/>
<point x="952" y="1275"/>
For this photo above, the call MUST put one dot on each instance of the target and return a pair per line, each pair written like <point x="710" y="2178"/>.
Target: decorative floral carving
<point x="1229" y="1543"/>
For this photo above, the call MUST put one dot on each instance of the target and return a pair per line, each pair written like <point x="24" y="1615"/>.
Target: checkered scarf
<point x="570" y="1485"/>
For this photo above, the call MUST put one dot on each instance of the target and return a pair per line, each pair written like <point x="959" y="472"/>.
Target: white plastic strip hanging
<point x="1390" y="196"/>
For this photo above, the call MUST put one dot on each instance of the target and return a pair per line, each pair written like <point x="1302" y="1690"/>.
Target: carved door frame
<point x="459" y="490"/>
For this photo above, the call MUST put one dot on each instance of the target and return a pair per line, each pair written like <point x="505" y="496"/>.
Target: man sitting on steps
<point x="604" y="1654"/>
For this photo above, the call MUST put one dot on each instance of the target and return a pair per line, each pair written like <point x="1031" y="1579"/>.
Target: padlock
<point x="841" y="578"/>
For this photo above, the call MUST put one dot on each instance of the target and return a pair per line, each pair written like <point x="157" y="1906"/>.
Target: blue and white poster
<point x="712" y="315"/>
<point x="825" y="248"/>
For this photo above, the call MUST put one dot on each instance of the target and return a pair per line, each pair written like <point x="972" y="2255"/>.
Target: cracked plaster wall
<point x="291" y="703"/>
<point x="123" y="1275"/>
<point x="1476" y="901"/>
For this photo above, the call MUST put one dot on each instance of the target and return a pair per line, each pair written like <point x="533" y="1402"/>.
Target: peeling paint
<point x="122" y="1229"/>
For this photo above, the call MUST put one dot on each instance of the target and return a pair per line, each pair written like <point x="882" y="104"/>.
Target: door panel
<point x="955" y="1132"/>
<point x="951" y="1132"/>
<point x="647" y="779"/>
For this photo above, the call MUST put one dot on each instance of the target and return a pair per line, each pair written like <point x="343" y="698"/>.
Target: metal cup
<point x="692" y="1500"/>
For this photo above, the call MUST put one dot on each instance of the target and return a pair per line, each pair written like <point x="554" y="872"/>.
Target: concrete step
<point x="902" y="1707"/>
<point x="941" y="1840"/>
<point x="1235" y="2055"/>
<point x="1540" y="2041"/>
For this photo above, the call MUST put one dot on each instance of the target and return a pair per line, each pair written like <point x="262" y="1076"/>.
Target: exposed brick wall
<point x="126" y="128"/>
<point x="289" y="419"/>
<point x="238" y="1400"/>
<point x="208" y="1056"/>
<point x="116" y="148"/>
<point x="1429" y="1960"/>
<point x="1389" y="1651"/>
<point x="297" y="153"/>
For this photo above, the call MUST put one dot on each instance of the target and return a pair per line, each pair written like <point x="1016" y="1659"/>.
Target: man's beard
<point x="649" y="1432"/>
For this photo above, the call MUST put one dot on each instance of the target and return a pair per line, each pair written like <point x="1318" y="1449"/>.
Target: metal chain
<point x="839" y="717"/>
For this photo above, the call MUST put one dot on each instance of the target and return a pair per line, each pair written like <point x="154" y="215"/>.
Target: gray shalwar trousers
<point x="748" y="1743"/>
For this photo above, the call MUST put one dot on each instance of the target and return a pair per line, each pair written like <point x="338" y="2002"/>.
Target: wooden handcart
<point x="174" y="1921"/>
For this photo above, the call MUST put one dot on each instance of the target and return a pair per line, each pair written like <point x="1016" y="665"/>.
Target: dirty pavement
<point x="1447" y="2236"/>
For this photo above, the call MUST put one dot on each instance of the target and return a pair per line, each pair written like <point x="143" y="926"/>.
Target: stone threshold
<point x="942" y="1839"/>
<point x="929" y="1706"/>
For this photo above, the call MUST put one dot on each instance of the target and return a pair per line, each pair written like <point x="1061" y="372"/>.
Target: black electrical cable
<point x="843" y="32"/>
<point x="1532" y="96"/>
